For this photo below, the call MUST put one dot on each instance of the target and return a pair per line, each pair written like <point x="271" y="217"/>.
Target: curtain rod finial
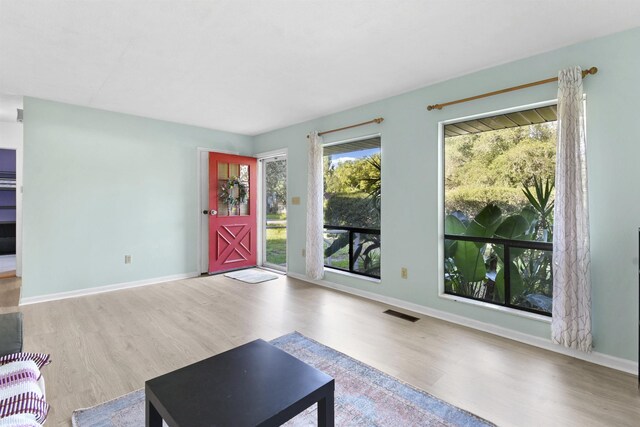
<point x="434" y="107"/>
<point x="588" y="71"/>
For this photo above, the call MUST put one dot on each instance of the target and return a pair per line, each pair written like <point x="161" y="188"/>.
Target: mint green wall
<point x="99" y="185"/>
<point x="409" y="206"/>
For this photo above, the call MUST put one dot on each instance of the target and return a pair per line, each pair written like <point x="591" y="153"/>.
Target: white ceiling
<point x="9" y="105"/>
<point x="252" y="66"/>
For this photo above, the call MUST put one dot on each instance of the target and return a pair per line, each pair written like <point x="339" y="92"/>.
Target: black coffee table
<point x="256" y="384"/>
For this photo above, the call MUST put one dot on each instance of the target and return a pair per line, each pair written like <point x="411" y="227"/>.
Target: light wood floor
<point x="9" y="294"/>
<point x="108" y="344"/>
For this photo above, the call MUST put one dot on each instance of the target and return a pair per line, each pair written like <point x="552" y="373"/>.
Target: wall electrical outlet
<point x="295" y="200"/>
<point x="403" y="272"/>
<point x="127" y="259"/>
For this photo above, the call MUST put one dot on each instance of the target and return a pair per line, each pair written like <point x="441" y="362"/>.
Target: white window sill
<point x="508" y="310"/>
<point x="348" y="274"/>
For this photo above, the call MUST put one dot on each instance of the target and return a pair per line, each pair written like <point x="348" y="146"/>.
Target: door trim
<point x="202" y="185"/>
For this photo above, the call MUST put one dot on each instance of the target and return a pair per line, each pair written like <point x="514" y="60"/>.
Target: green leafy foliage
<point x="453" y="225"/>
<point x="351" y="210"/>
<point x="353" y="192"/>
<point x="353" y="176"/>
<point x="542" y="205"/>
<point x="513" y="227"/>
<point x="470" y="262"/>
<point x="476" y="269"/>
<point x="499" y="184"/>
<point x="486" y="222"/>
<point x="353" y="196"/>
<point x="489" y="167"/>
<point x="276" y="185"/>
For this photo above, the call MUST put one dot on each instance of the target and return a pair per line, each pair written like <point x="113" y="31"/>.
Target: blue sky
<point x="336" y="159"/>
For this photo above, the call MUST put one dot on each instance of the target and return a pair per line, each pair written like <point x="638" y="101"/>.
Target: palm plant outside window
<point x="352" y="205"/>
<point x="498" y="209"/>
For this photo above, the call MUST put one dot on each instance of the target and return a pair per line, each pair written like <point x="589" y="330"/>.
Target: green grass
<point x="277" y="245"/>
<point x="277" y="216"/>
<point x="340" y="259"/>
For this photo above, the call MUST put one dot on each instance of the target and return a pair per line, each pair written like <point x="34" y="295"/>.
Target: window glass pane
<point x="233" y="189"/>
<point x="352" y="206"/>
<point x="243" y="179"/>
<point x="275" y="195"/>
<point x="474" y="270"/>
<point x="491" y="176"/>
<point x="234" y="170"/>
<point x="223" y="170"/>
<point x="244" y="173"/>
<point x="366" y="253"/>
<point x="531" y="279"/>
<point x="223" y="177"/>
<point x="336" y="249"/>
<point x="352" y="184"/>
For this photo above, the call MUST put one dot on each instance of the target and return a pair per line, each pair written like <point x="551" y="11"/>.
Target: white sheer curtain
<point x="314" y="249"/>
<point x="571" y="321"/>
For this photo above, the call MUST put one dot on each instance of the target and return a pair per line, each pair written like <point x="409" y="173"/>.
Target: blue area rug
<point x="364" y="396"/>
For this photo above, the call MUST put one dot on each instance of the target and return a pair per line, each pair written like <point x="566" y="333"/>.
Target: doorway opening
<point x="274" y="212"/>
<point x="8" y="215"/>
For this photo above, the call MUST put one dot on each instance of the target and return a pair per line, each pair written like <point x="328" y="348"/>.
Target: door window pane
<point x="275" y="199"/>
<point x="233" y="185"/>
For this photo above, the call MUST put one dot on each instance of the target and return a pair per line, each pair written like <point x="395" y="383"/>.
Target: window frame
<point x="521" y="312"/>
<point x="349" y="271"/>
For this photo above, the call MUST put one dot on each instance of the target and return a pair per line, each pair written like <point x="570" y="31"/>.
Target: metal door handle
<point x="213" y="212"/>
<point x="206" y="212"/>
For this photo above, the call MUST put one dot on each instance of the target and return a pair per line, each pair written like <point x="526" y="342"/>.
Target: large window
<point x="352" y="200"/>
<point x="498" y="209"/>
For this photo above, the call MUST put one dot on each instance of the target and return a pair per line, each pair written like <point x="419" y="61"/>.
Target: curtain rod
<point x="378" y="120"/>
<point x="585" y="73"/>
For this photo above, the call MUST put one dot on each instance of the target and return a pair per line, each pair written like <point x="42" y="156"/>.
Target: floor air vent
<point x="402" y="316"/>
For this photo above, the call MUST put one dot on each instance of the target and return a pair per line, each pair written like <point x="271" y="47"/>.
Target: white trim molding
<point x="106" y="288"/>
<point x="273" y="153"/>
<point x="602" y="359"/>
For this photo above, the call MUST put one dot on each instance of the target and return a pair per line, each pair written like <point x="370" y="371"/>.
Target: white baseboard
<point x="613" y="362"/>
<point x="107" y="288"/>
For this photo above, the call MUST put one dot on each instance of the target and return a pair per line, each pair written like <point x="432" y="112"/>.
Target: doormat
<point x="252" y="275"/>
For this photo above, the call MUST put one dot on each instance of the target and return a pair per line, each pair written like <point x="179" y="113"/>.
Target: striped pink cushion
<point x="24" y="403"/>
<point x="20" y="420"/>
<point x="40" y="359"/>
<point x="21" y="397"/>
<point x="21" y="375"/>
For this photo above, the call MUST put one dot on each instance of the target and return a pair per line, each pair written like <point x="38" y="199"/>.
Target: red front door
<point x="232" y="201"/>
